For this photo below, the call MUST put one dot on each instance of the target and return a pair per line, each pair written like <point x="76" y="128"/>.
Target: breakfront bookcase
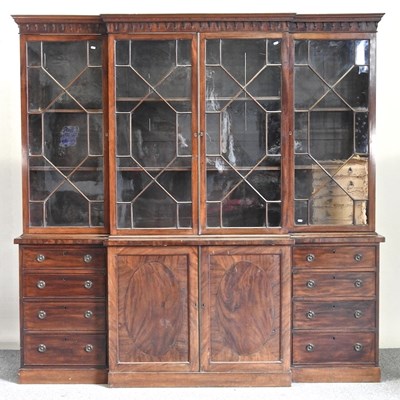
<point x="198" y="199"/>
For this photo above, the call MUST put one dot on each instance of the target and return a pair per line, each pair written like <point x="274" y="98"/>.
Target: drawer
<point x="329" y="348"/>
<point x="334" y="257"/>
<point x="64" y="285"/>
<point x="334" y="315"/>
<point x="63" y="257"/>
<point x="57" y="316"/>
<point x="325" y="284"/>
<point x="65" y="349"/>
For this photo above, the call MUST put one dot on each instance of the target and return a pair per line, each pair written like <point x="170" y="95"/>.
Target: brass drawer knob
<point x="87" y="258"/>
<point x="88" y="284"/>
<point x="310" y="348"/>
<point x="310" y="314"/>
<point x="358" y="257"/>
<point x="310" y="257"/>
<point x="40" y="284"/>
<point x="358" y="314"/>
<point x="358" y="347"/>
<point x="40" y="258"/>
<point x="311" y="284"/>
<point x="41" y="348"/>
<point x="89" y="348"/>
<point x="41" y="314"/>
<point x="88" y="314"/>
<point x="358" y="283"/>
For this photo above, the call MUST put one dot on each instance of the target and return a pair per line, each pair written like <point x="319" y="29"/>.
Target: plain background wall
<point x="387" y="143"/>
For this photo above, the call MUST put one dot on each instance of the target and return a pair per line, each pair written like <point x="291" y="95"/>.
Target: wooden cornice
<point x="142" y="23"/>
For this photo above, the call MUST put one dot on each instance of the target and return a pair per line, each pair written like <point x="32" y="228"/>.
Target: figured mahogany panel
<point x="155" y="311"/>
<point x="242" y="294"/>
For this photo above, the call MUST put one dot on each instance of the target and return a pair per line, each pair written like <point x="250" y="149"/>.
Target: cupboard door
<point x="242" y="107"/>
<point x="154" y="121"/>
<point x="332" y="102"/>
<point x="153" y="309"/>
<point x="64" y="125"/>
<point x="245" y="303"/>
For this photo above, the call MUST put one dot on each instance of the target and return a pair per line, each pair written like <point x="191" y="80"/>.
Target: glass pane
<point x="331" y="135"/>
<point x="64" y="61"/>
<point x="243" y="137"/>
<point x="154" y="133"/>
<point x="154" y="209"/>
<point x="95" y="53"/>
<point x="34" y="54"/>
<point x="361" y="133"/>
<point x="42" y="90"/>
<point x="65" y="100"/>
<point x="331" y="132"/>
<point x="67" y="207"/>
<point x="87" y="89"/>
<point x="35" y="134"/>
<point x="331" y="58"/>
<point x="243" y="208"/>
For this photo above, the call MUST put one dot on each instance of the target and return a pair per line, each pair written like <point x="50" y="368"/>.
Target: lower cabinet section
<point x="334" y="323"/>
<point x="63" y="314"/>
<point x="199" y="310"/>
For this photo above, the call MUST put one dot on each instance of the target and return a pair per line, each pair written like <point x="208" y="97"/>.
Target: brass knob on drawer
<point x="89" y="348"/>
<point x="310" y="257"/>
<point x="358" y="283"/>
<point x="358" y="314"/>
<point x="88" y="284"/>
<point x="358" y="347"/>
<point x="40" y="284"/>
<point x="311" y="284"/>
<point x="310" y="314"/>
<point x="87" y="258"/>
<point x="41" y="348"/>
<point x="358" y="257"/>
<point x="310" y="348"/>
<point x="41" y="314"/>
<point x="40" y="258"/>
<point x="88" y="314"/>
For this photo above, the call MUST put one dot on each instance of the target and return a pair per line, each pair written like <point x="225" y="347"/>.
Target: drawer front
<point x="63" y="257"/>
<point x="334" y="315"/>
<point x="65" y="349"/>
<point x="330" y="348"/>
<point x="64" y="285"/>
<point x="72" y="316"/>
<point x="349" y="284"/>
<point x="334" y="257"/>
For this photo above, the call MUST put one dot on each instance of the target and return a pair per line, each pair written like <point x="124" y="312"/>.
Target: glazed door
<point x="333" y="97"/>
<point x="245" y="297"/>
<point x="153" y="315"/>
<point x="242" y="120"/>
<point x="64" y="134"/>
<point x="155" y="158"/>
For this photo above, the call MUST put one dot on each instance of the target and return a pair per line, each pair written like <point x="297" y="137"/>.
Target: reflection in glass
<point x="331" y="132"/>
